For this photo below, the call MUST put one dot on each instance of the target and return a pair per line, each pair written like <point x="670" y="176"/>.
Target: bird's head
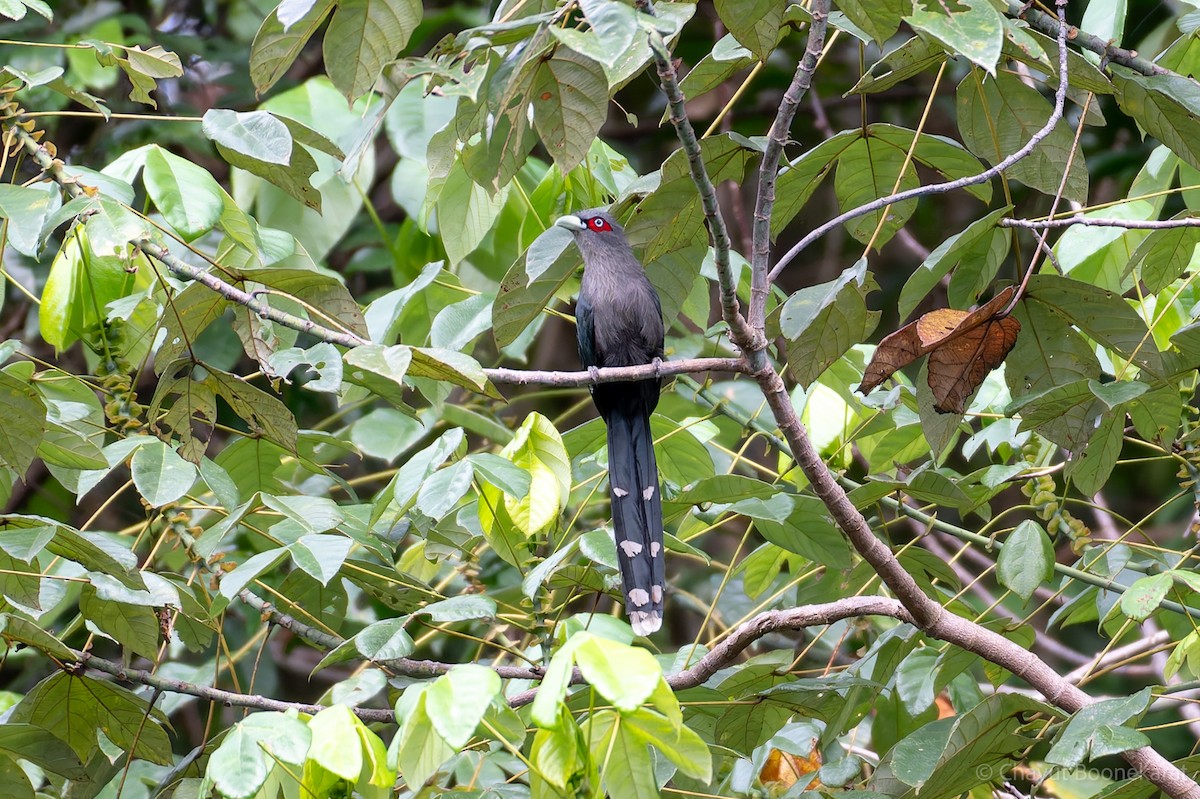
<point x="595" y="232"/>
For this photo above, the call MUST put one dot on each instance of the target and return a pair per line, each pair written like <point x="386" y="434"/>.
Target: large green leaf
<point x="998" y="116"/>
<point x="822" y="322"/>
<point x="570" y="104"/>
<point x="754" y="23"/>
<point x="276" y="45"/>
<point x="364" y="36"/>
<point x="1102" y="315"/>
<point x="976" y="32"/>
<point x="948" y="757"/>
<point x="75" y="707"/>
<point x="867" y="170"/>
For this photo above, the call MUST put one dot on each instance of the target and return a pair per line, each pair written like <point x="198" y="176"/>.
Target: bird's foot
<point x="658" y="364"/>
<point x="594" y="374"/>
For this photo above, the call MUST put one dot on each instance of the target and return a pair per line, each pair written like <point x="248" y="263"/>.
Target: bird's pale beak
<point x="571" y="223"/>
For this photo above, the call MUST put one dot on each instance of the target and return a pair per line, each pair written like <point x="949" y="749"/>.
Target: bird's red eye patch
<point x="597" y="224"/>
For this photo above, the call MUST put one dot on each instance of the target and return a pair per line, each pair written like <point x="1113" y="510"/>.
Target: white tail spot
<point x="656" y="594"/>
<point x="639" y="597"/>
<point x="645" y="622"/>
<point x="648" y="494"/>
<point x="631" y="548"/>
<point x="620" y="492"/>
<point x="655" y="547"/>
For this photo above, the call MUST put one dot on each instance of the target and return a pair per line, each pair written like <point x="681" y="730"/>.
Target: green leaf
<point x="321" y="556"/>
<point x="16" y="628"/>
<point x="276" y="45"/>
<point x="947" y="757"/>
<point x="501" y="472"/>
<point x="450" y="366"/>
<point x="460" y="608"/>
<point x="443" y="490"/>
<point x="189" y="197"/>
<point x="27" y="208"/>
<point x="379" y="369"/>
<point x="624" y="675"/>
<point x="997" y="116"/>
<point x="258" y="135"/>
<point x="1090" y="469"/>
<point x="384" y="640"/>
<point x="1099" y="255"/>
<point x="537" y="448"/>
<point x="1165" y="106"/>
<point x="822" y="322"/>
<point x="1101" y="314"/>
<point x="570" y="103"/>
<point x="416" y="470"/>
<point x="1026" y="561"/>
<point x="335" y="743"/>
<point x="458" y="699"/>
<point x="1165" y="255"/>
<point x="976" y="32"/>
<point x="417" y="748"/>
<point x="1142" y="598"/>
<point x="867" y="170"/>
<point x="466" y="211"/>
<point x="363" y="37"/>
<point x="24" y="420"/>
<point x="629" y="771"/>
<point x="42" y="748"/>
<point x="159" y="474"/>
<point x="74" y="707"/>
<point x="133" y="626"/>
<point x="233" y="582"/>
<point x="1099" y="730"/>
<point x="810" y="532"/>
<point x="725" y="488"/>
<point x="879" y="18"/>
<point x="754" y="23"/>
<point x="912" y="58"/>
<point x="247" y="754"/>
<point x="680" y="745"/>
<point x="959" y="248"/>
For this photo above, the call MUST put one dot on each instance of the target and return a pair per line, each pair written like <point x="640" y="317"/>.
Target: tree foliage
<point x="302" y="491"/>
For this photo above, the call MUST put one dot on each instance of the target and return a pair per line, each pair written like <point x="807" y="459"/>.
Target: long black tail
<point x="636" y="514"/>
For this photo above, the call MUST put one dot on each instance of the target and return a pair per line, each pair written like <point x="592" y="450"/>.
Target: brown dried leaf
<point x="784" y="769"/>
<point x="962" y="347"/>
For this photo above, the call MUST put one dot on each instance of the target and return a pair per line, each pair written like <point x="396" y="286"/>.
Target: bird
<point x="619" y="322"/>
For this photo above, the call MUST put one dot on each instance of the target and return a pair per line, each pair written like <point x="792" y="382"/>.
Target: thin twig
<point x="1088" y="221"/>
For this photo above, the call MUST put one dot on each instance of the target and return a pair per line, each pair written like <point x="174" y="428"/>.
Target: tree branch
<point x="617" y="374"/>
<point x="1060" y="97"/>
<point x="768" y="172"/>
<point x="54" y="168"/>
<point x="747" y="338"/>
<point x="1046" y="23"/>
<point x="1080" y="219"/>
<point x="230" y="292"/>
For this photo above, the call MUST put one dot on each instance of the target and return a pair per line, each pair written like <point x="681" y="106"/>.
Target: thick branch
<point x="1060" y="97"/>
<point x="768" y="172"/>
<point x="617" y="374"/>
